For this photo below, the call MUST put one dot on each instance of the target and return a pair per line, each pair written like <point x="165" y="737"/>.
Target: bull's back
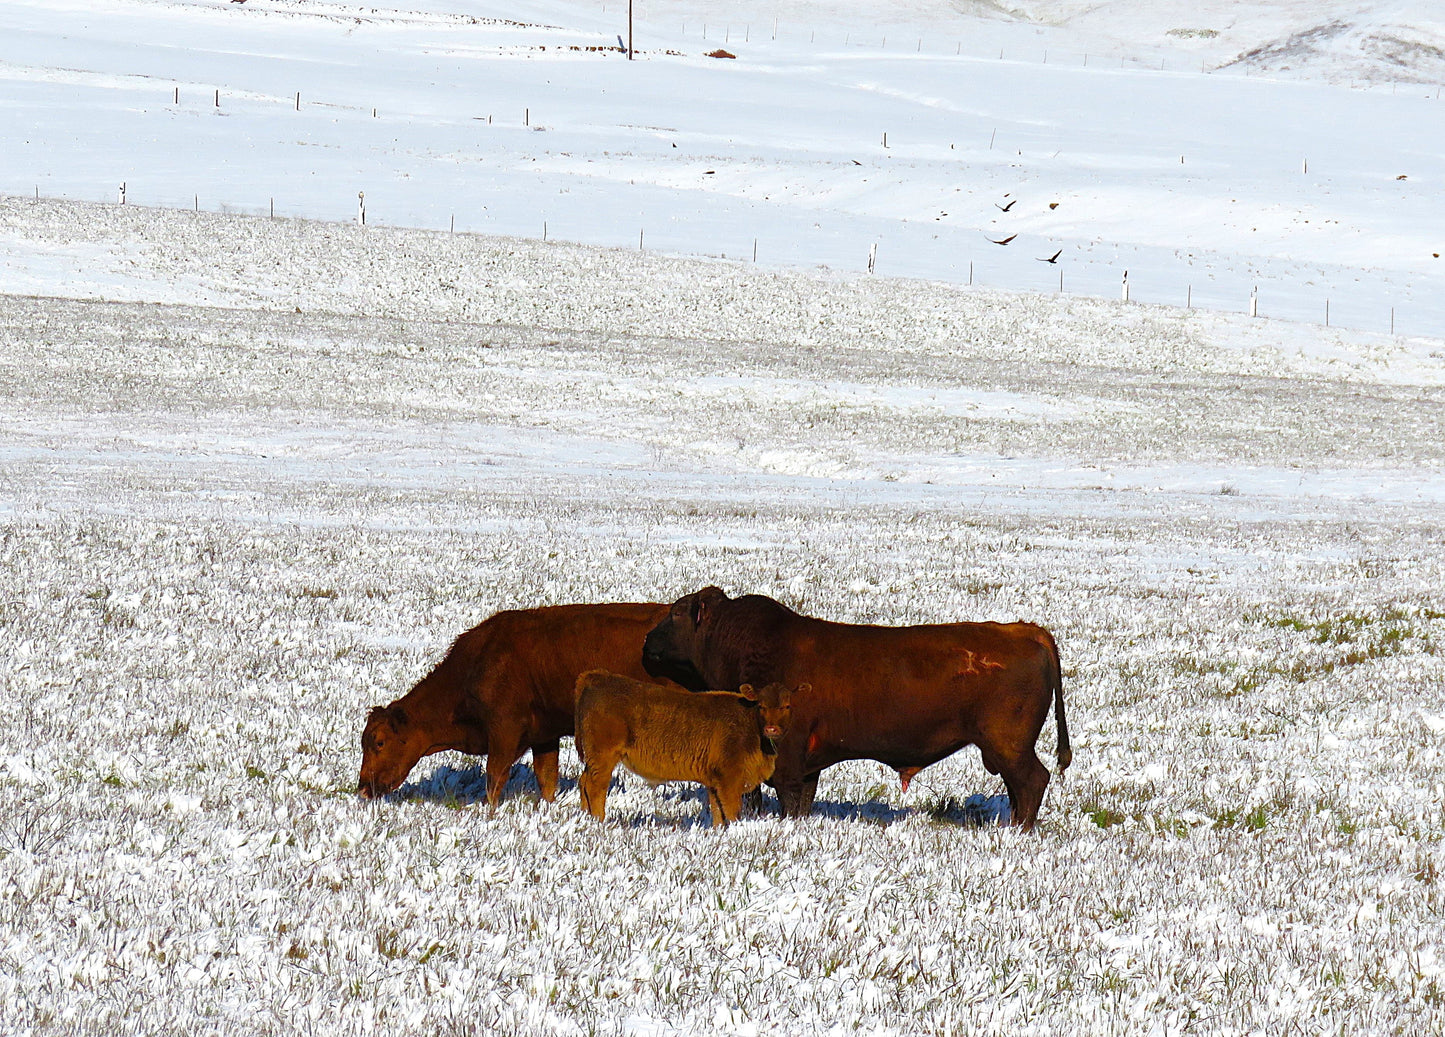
<point x="858" y="655"/>
<point x="896" y="693"/>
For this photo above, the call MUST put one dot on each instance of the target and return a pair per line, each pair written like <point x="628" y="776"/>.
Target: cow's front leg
<point x="504" y="748"/>
<point x="544" y="766"/>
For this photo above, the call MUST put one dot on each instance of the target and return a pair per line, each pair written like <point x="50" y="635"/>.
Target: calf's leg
<point x="715" y="808"/>
<point x="725" y="800"/>
<point x="596" y="777"/>
<point x="795" y="788"/>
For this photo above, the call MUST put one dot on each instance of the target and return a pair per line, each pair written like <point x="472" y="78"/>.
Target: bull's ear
<point x="704" y="601"/>
<point x="747" y="692"/>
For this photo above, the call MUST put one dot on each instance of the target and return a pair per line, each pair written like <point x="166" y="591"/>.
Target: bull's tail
<point x="1056" y="677"/>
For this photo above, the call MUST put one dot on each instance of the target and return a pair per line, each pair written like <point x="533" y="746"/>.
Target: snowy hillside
<point x="1210" y="150"/>
<point x="256" y="473"/>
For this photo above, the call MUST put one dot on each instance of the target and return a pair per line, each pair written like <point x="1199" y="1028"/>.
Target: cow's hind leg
<point x="544" y="765"/>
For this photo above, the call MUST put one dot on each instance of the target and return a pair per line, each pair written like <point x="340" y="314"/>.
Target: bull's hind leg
<point x="1026" y="777"/>
<point x="544" y="765"/>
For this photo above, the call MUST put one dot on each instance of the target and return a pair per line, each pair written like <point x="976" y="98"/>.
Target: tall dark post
<point x="629" y="30"/>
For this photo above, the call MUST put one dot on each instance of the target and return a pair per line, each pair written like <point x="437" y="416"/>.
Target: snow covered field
<point x="255" y="474"/>
<point x="230" y="529"/>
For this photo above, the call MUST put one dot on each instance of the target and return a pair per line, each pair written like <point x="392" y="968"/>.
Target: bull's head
<point x="673" y="648"/>
<point x="390" y="747"/>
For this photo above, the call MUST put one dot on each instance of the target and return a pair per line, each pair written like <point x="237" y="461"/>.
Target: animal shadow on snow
<point x="690" y="801"/>
<point x="466" y="786"/>
<point x="975" y="811"/>
<point x="674" y="805"/>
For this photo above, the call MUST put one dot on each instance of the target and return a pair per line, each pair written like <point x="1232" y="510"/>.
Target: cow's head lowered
<point x="673" y="648"/>
<point x="390" y="747"/>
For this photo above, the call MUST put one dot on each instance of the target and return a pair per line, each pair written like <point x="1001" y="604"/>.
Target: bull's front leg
<point x="795" y="789"/>
<point x="753" y="803"/>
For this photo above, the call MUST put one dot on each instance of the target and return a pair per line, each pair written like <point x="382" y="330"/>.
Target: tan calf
<point x="719" y="738"/>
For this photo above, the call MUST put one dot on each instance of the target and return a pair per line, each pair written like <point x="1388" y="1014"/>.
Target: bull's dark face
<point x="390" y="747"/>
<point x="673" y="648"/>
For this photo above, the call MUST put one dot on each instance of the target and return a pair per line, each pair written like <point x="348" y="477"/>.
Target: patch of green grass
<point x="1226" y="818"/>
<point x="1104" y="817"/>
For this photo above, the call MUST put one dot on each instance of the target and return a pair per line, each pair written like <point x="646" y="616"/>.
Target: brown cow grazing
<point x="904" y="696"/>
<point x="721" y="739"/>
<point x="505" y="686"/>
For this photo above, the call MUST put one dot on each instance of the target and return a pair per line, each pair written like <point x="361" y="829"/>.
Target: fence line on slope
<point x="748" y="250"/>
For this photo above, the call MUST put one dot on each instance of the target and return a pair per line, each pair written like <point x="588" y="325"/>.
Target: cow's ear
<point x="804" y="688"/>
<point x="747" y="692"/>
<point x="398" y="718"/>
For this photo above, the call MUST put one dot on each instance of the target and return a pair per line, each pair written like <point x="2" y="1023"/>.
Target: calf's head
<point x="390" y="747"/>
<point x="673" y="648"/>
<point x="775" y="707"/>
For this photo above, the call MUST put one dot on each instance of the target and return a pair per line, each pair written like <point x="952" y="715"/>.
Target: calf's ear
<point x="747" y="692"/>
<point x="804" y="688"/>
<point x="398" y="718"/>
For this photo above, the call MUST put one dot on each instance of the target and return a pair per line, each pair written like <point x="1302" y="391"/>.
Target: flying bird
<point x="1005" y="208"/>
<point x="1054" y="258"/>
<point x="1005" y="241"/>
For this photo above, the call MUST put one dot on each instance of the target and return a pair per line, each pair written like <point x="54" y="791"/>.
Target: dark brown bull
<point x="904" y="696"/>
<point x="721" y="739"/>
<point x="505" y="686"/>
